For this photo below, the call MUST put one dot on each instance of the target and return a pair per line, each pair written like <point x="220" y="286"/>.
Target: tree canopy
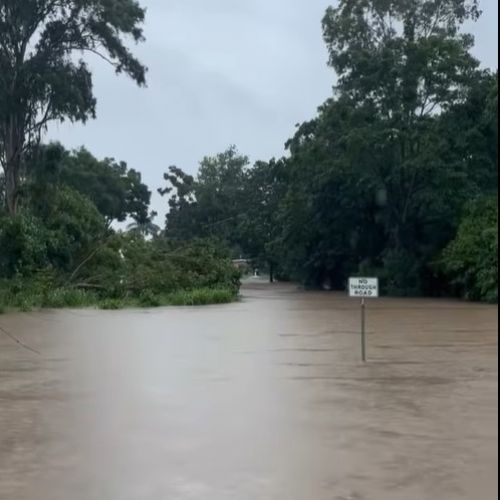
<point x="41" y="77"/>
<point x="377" y="182"/>
<point x="117" y="191"/>
<point x="396" y="176"/>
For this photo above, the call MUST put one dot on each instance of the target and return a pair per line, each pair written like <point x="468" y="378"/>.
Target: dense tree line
<point x="58" y="239"/>
<point x="386" y="174"/>
<point x="396" y="176"/>
<point x="42" y="80"/>
<point x="63" y="248"/>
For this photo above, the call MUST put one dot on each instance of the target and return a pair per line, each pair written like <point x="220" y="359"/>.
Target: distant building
<point x="239" y="263"/>
<point x="243" y="265"/>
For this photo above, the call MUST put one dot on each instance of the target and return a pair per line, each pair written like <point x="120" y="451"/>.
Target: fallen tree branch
<point x="88" y="286"/>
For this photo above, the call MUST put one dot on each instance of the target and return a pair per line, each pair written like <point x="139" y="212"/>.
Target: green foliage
<point x="471" y="259"/>
<point x="259" y="225"/>
<point x="42" y="289"/>
<point x="67" y="256"/>
<point x="149" y="299"/>
<point x="117" y="191"/>
<point x="202" y="297"/>
<point x="231" y="202"/>
<point x="30" y="297"/>
<point x="61" y="234"/>
<point x="60" y="298"/>
<point x="405" y="58"/>
<point x="211" y="205"/>
<point x="111" y="305"/>
<point x="41" y="80"/>
<point x="375" y="184"/>
<point x="23" y="245"/>
<point x="161" y="268"/>
<point x="378" y="180"/>
<point x="401" y="273"/>
<point x="181" y="298"/>
<point x="74" y="227"/>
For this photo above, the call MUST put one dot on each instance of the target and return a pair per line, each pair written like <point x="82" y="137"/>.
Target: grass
<point x="112" y="304"/>
<point x="182" y="298"/>
<point x="71" y="298"/>
<point x="201" y="297"/>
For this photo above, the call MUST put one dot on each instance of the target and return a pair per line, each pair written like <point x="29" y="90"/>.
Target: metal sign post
<point x="364" y="288"/>
<point x="363" y="329"/>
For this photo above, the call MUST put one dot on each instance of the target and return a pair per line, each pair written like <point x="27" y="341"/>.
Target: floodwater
<point x="261" y="400"/>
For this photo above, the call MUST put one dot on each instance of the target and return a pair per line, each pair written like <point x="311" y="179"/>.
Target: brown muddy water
<point x="261" y="400"/>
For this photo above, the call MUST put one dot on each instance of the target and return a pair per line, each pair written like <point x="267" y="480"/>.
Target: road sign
<point x="364" y="288"/>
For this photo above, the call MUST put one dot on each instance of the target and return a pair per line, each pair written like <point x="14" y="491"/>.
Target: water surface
<point x="261" y="400"/>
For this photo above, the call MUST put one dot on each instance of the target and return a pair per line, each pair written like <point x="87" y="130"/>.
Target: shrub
<point x="69" y="297"/>
<point x="202" y="297"/>
<point x="471" y="259"/>
<point x="160" y="267"/>
<point x="122" y="269"/>
<point x="148" y="299"/>
<point x="23" y="244"/>
<point x="111" y="305"/>
<point x="401" y="274"/>
<point x="75" y="228"/>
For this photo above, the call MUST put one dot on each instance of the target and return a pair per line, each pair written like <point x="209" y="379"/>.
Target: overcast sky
<point x="221" y="72"/>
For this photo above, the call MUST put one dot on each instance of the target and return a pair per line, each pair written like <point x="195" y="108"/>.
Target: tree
<point x="265" y="187"/>
<point x="221" y="195"/>
<point x="471" y="259"/>
<point x="61" y="235"/>
<point x="181" y="221"/>
<point x="469" y="135"/>
<point x="406" y="61"/>
<point x="377" y="182"/>
<point x="210" y="205"/>
<point x="117" y="191"/>
<point x="75" y="228"/>
<point x="40" y="78"/>
<point x="406" y="57"/>
<point x="332" y="211"/>
<point x="145" y="228"/>
<point x="231" y="202"/>
<point x="23" y="244"/>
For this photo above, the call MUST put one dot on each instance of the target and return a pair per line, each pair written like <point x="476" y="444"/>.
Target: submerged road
<point x="261" y="400"/>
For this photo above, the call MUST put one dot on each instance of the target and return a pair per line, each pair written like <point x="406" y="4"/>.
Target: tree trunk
<point x="13" y="156"/>
<point x="271" y="272"/>
<point x="11" y="188"/>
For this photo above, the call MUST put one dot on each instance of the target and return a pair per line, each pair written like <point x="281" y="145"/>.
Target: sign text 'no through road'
<point x="364" y="287"/>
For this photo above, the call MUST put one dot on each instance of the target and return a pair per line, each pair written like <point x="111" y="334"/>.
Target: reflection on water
<point x="265" y="399"/>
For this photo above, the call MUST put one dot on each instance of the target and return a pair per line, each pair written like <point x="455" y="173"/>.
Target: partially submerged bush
<point x="160" y="267"/>
<point x="69" y="297"/>
<point x="111" y="305"/>
<point x="202" y="297"/>
<point x="130" y="271"/>
<point x="23" y="244"/>
<point x="471" y="260"/>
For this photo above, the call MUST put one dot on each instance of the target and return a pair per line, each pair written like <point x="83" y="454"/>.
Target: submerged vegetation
<point x="396" y="176"/>
<point x="127" y="271"/>
<point x="60" y="298"/>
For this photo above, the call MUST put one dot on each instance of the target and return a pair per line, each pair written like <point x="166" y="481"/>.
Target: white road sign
<point x="364" y="287"/>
